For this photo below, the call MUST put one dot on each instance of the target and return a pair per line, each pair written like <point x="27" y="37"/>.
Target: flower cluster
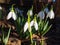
<point x="50" y="13"/>
<point x="32" y="23"/>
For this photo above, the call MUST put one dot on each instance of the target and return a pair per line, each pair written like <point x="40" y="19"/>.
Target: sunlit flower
<point x="35" y="24"/>
<point x="51" y="14"/>
<point x="12" y="15"/>
<point x="32" y="23"/>
<point x="41" y="15"/>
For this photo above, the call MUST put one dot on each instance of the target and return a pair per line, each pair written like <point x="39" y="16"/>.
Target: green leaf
<point x="45" y="27"/>
<point x="7" y="37"/>
<point x="18" y="20"/>
<point x="44" y="32"/>
<point x="42" y="25"/>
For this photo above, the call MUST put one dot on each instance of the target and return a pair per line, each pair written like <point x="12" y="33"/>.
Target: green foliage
<point x="5" y="37"/>
<point x="44" y="27"/>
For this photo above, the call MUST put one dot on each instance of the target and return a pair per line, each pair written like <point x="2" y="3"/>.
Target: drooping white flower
<point x="46" y="10"/>
<point x="12" y="15"/>
<point x="51" y="14"/>
<point x="32" y="23"/>
<point x="41" y="14"/>
<point x="30" y="12"/>
<point x="35" y="24"/>
<point x="9" y="15"/>
<point x="25" y="26"/>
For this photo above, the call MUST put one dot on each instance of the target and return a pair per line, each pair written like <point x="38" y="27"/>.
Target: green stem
<point x="35" y="42"/>
<point x="31" y="37"/>
<point x="5" y="39"/>
<point x="2" y="34"/>
<point x="42" y="41"/>
<point x="29" y="28"/>
<point x="12" y="8"/>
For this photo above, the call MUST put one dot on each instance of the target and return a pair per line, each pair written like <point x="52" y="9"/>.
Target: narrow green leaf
<point x="43" y="33"/>
<point x="7" y="37"/>
<point x="45" y="27"/>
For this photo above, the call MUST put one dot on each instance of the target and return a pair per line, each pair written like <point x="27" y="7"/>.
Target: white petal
<point x="25" y="26"/>
<point x="9" y="15"/>
<point x="51" y="15"/>
<point x="32" y="23"/>
<point x="41" y="15"/>
<point x="14" y="16"/>
<point x="31" y="13"/>
<point x="36" y="25"/>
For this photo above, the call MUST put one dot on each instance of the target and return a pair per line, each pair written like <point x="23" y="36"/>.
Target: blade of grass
<point x="44" y="32"/>
<point x="45" y="27"/>
<point x="7" y="37"/>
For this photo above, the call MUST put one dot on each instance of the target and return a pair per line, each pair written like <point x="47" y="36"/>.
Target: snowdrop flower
<point x="12" y="15"/>
<point x="30" y="12"/>
<point x="35" y="24"/>
<point x="41" y="15"/>
<point x="32" y="23"/>
<point x="25" y="26"/>
<point x="51" y="14"/>
<point x="46" y="10"/>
